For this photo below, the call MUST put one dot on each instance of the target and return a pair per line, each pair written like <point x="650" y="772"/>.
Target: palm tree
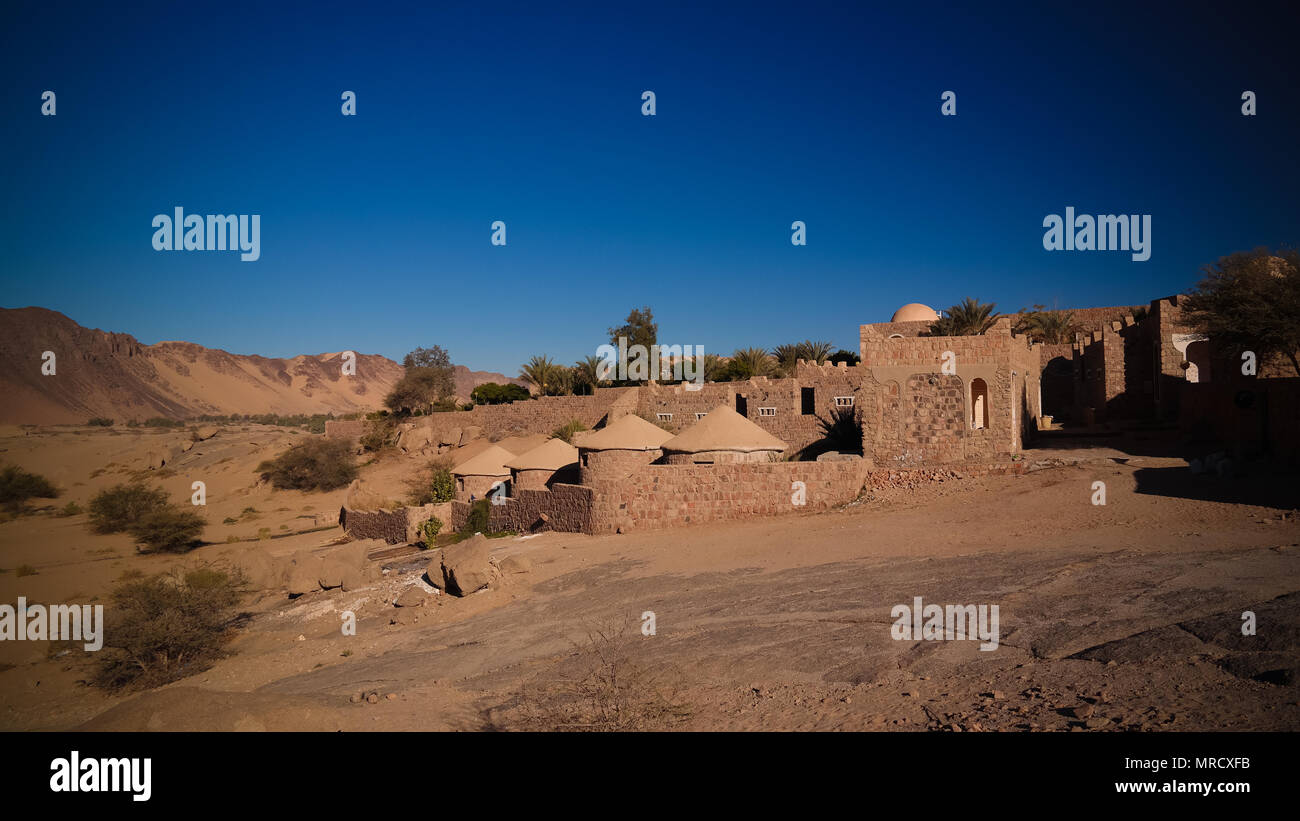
<point x="816" y="352"/>
<point x="545" y="375"/>
<point x="1050" y="327"/>
<point x="586" y="375"/>
<point x="786" y="356"/>
<point x="970" y="317"/>
<point x="751" y="362"/>
<point x="716" y="369"/>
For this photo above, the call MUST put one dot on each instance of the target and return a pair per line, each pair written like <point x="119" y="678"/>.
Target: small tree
<point x="1250" y="302"/>
<point x="490" y="393"/>
<point x="17" y="486"/>
<point x="117" y="508"/>
<point x="750" y="362"/>
<point x="318" y="464"/>
<point x="1049" y="327"/>
<point x="168" y="530"/>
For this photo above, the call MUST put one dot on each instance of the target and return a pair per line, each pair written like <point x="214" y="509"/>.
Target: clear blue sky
<point x="375" y="228"/>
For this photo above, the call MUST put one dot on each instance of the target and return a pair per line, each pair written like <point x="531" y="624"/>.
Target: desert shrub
<point x="567" y="430"/>
<point x="429" y="530"/>
<point x="381" y="434"/>
<point x="168" y="530"/>
<point x="163" y="422"/>
<point x="604" y="685"/>
<point x="166" y="627"/>
<point x="24" y="570"/>
<point x="17" y="486"/>
<point x="433" y="484"/>
<point x="490" y="393"/>
<point x="70" y="509"/>
<point x="115" y="509"/>
<point x="318" y="464"/>
<point x="101" y="422"/>
<point x="479" y="516"/>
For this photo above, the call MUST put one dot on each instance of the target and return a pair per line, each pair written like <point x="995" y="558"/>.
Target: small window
<point x="844" y="401"/>
<point x="701" y="414"/>
<point x="664" y="417"/>
<point x="767" y="411"/>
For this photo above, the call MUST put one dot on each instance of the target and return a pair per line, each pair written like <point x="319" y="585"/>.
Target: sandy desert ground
<point x="1118" y="617"/>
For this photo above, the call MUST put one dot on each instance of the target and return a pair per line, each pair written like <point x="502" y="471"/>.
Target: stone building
<point x="551" y="462"/>
<point x="477" y="477"/>
<point x="722" y="437"/>
<point x="619" y="448"/>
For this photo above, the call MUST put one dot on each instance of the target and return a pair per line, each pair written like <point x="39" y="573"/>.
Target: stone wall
<point x="661" y="496"/>
<point x="389" y="525"/>
<point x="1250" y="417"/>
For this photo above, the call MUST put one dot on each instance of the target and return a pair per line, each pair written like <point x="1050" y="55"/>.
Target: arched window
<point x="979" y="404"/>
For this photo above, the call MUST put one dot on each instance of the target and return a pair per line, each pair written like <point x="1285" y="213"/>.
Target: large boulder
<point x="516" y="564"/>
<point x="450" y="437"/>
<point x="465" y="565"/>
<point x="305" y="574"/>
<point x="262" y="571"/>
<point x="359" y="497"/>
<point x="413" y="596"/>
<point x="469" y="433"/>
<point x="206" y="432"/>
<point x="415" y="440"/>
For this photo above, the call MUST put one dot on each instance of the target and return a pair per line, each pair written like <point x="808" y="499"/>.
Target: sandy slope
<point x="1125" y="616"/>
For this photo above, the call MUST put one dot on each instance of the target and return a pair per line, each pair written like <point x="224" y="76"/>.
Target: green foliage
<point x="70" y="509"/>
<point x="567" y="430"/>
<point x="490" y="393"/>
<point x="317" y="464"/>
<point x="716" y="369"/>
<point x="747" y="363"/>
<point x="166" y="627"/>
<point x="970" y="317"/>
<point x="163" y="422"/>
<point x="381" y="434"/>
<point x="100" y="421"/>
<point x="116" y="509"/>
<point x="168" y="530"/>
<point x="639" y="328"/>
<point x="433" y="485"/>
<point x="1250" y="301"/>
<point x="429" y="530"/>
<point x="586" y="375"/>
<point x="787" y="356"/>
<point x="17" y="486"/>
<point x="548" y="377"/>
<point x="848" y="357"/>
<point x="1048" y="327"/>
<point x="480" y="514"/>
<point x="429" y="380"/>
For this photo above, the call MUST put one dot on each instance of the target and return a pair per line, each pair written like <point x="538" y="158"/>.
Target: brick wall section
<point x="661" y="496"/>
<point x="1250" y="417"/>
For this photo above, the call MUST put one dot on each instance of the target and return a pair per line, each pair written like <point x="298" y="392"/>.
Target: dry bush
<point x="118" y="508"/>
<point x="165" y="627"/>
<point x="432" y="484"/>
<point x="318" y="464"/>
<point x="603" y="687"/>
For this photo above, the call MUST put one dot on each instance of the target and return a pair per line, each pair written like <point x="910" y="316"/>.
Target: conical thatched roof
<point x="551" y="455"/>
<point x="723" y="429"/>
<point x="627" y="433"/>
<point x="491" y="462"/>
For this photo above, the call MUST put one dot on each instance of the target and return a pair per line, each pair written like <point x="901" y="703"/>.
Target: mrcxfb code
<point x="1178" y="763"/>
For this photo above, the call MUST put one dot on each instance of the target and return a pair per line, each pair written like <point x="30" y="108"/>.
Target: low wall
<point x="660" y="496"/>
<point x="1255" y="417"/>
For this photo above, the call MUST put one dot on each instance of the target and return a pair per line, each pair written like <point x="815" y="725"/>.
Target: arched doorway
<point x="979" y="404"/>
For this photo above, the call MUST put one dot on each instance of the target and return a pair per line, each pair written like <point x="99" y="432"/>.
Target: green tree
<point x="428" y="382"/>
<point x="1250" y="301"/>
<point x="970" y="317"/>
<point x="750" y="362"/>
<point x="586" y="375"/>
<point x="490" y="393"/>
<point x="1049" y="327"/>
<point x="548" y="377"/>
<point x="640" y="328"/>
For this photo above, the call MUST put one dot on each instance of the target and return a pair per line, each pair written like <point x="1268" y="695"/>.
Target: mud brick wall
<point x="1058" y="381"/>
<point x="567" y="506"/>
<point x="662" y="496"/>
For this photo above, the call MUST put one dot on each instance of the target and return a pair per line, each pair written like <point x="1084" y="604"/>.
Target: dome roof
<point x="723" y="429"/>
<point x="915" y="312"/>
<point x="627" y="433"/>
<point x="553" y="455"/>
<point x="491" y="462"/>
